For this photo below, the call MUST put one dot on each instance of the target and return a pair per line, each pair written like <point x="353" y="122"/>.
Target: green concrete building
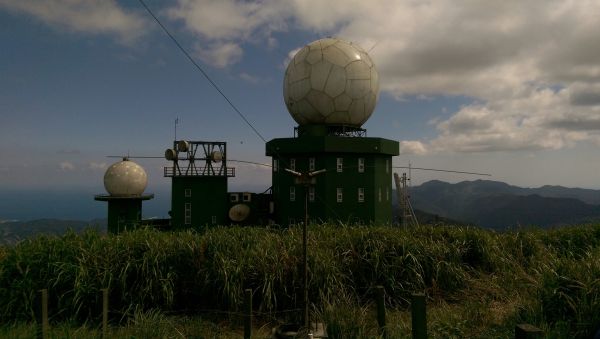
<point x="356" y="187"/>
<point x="124" y="213"/>
<point x="199" y="176"/>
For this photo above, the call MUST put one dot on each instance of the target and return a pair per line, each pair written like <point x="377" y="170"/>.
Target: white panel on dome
<point x="299" y="89"/>
<point x="336" y="56"/>
<point x="342" y="102"/>
<point x="327" y="42"/>
<point x="370" y="102"/>
<point x="358" y="88"/>
<point x="374" y="81"/>
<point x="314" y="56"/>
<point x="298" y="72"/>
<point x="321" y="101"/>
<point x="299" y="57"/>
<point x="349" y="50"/>
<point x="357" y="111"/>
<point x="365" y="57"/>
<point x="301" y="109"/>
<point x="318" y="74"/>
<point x="336" y="82"/>
<point x="358" y="70"/>
<point x="338" y="118"/>
<point x="315" y="117"/>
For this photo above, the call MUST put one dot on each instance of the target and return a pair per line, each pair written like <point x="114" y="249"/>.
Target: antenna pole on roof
<point x="176" y="122"/>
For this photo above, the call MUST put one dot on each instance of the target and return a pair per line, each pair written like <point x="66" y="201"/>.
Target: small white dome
<point x="125" y="178"/>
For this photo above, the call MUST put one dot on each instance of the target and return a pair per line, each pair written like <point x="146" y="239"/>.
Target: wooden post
<point x="42" y="315"/>
<point x="380" y="291"/>
<point x="419" y="316"/>
<point x="248" y="318"/>
<point x="104" y="312"/>
<point x="526" y="331"/>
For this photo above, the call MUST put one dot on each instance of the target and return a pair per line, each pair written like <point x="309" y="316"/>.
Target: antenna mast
<point x="407" y="214"/>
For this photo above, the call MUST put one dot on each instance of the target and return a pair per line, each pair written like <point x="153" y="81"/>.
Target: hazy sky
<point x="506" y="87"/>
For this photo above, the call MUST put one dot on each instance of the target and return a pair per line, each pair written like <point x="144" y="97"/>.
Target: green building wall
<point x="204" y="198"/>
<point x="375" y="180"/>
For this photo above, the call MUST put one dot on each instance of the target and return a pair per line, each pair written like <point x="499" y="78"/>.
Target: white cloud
<point x="532" y="68"/>
<point x="97" y="166"/>
<point x="412" y="147"/>
<point x="249" y="78"/>
<point x="66" y="166"/>
<point x="97" y="17"/>
<point x="221" y="55"/>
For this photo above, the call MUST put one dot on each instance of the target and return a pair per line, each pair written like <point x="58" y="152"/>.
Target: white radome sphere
<point x="125" y="178"/>
<point x="331" y="81"/>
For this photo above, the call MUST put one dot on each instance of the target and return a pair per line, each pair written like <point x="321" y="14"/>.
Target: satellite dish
<point x="170" y="154"/>
<point x="239" y="212"/>
<point x="216" y="156"/>
<point x="183" y="146"/>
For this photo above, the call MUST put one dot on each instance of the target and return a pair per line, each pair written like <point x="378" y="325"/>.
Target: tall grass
<point x="555" y="271"/>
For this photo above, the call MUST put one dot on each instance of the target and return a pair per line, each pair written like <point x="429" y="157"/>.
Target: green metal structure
<point x="199" y="176"/>
<point x="356" y="187"/>
<point x="124" y="213"/>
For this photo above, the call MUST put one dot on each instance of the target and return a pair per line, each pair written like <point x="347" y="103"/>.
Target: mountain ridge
<point x="495" y="204"/>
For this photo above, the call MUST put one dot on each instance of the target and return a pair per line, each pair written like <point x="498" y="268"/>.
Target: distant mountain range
<point x="485" y="203"/>
<point x="494" y="204"/>
<point x="13" y="231"/>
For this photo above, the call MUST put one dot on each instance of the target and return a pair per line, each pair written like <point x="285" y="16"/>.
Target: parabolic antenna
<point x="239" y="212"/>
<point x="170" y="154"/>
<point x="183" y="146"/>
<point x="216" y="156"/>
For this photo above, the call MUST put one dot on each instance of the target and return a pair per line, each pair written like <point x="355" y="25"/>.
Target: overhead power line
<point x="189" y="57"/>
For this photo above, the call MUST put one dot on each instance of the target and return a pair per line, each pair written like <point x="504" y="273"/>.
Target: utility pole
<point x="307" y="180"/>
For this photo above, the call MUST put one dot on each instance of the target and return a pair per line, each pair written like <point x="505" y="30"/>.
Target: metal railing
<point x="172" y="171"/>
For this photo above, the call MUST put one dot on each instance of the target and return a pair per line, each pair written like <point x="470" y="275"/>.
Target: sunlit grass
<point x="479" y="283"/>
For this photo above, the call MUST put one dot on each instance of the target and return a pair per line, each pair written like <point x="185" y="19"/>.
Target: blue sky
<point x="507" y="88"/>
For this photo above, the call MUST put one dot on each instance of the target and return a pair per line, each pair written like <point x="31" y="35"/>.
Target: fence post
<point x="248" y="317"/>
<point x="104" y="312"/>
<point x="526" y="331"/>
<point x="419" y="316"/>
<point x="381" y="310"/>
<point x="42" y="315"/>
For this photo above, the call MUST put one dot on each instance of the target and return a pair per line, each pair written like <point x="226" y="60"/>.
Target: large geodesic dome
<point x="125" y="178"/>
<point x="333" y="82"/>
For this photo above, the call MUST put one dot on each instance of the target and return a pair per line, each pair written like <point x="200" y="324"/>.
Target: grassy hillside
<point x="479" y="283"/>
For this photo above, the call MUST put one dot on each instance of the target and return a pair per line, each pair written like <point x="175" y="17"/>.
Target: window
<point x="275" y="165"/>
<point x="188" y="213"/>
<point x="361" y="194"/>
<point x="340" y="164"/>
<point x="188" y="192"/>
<point x="340" y="194"/>
<point x="247" y="197"/>
<point x="311" y="164"/>
<point x="379" y="194"/>
<point x="292" y="193"/>
<point x="361" y="165"/>
<point x="233" y="197"/>
<point x="293" y="164"/>
<point x="387" y="165"/>
<point x="214" y="219"/>
<point x="311" y="193"/>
